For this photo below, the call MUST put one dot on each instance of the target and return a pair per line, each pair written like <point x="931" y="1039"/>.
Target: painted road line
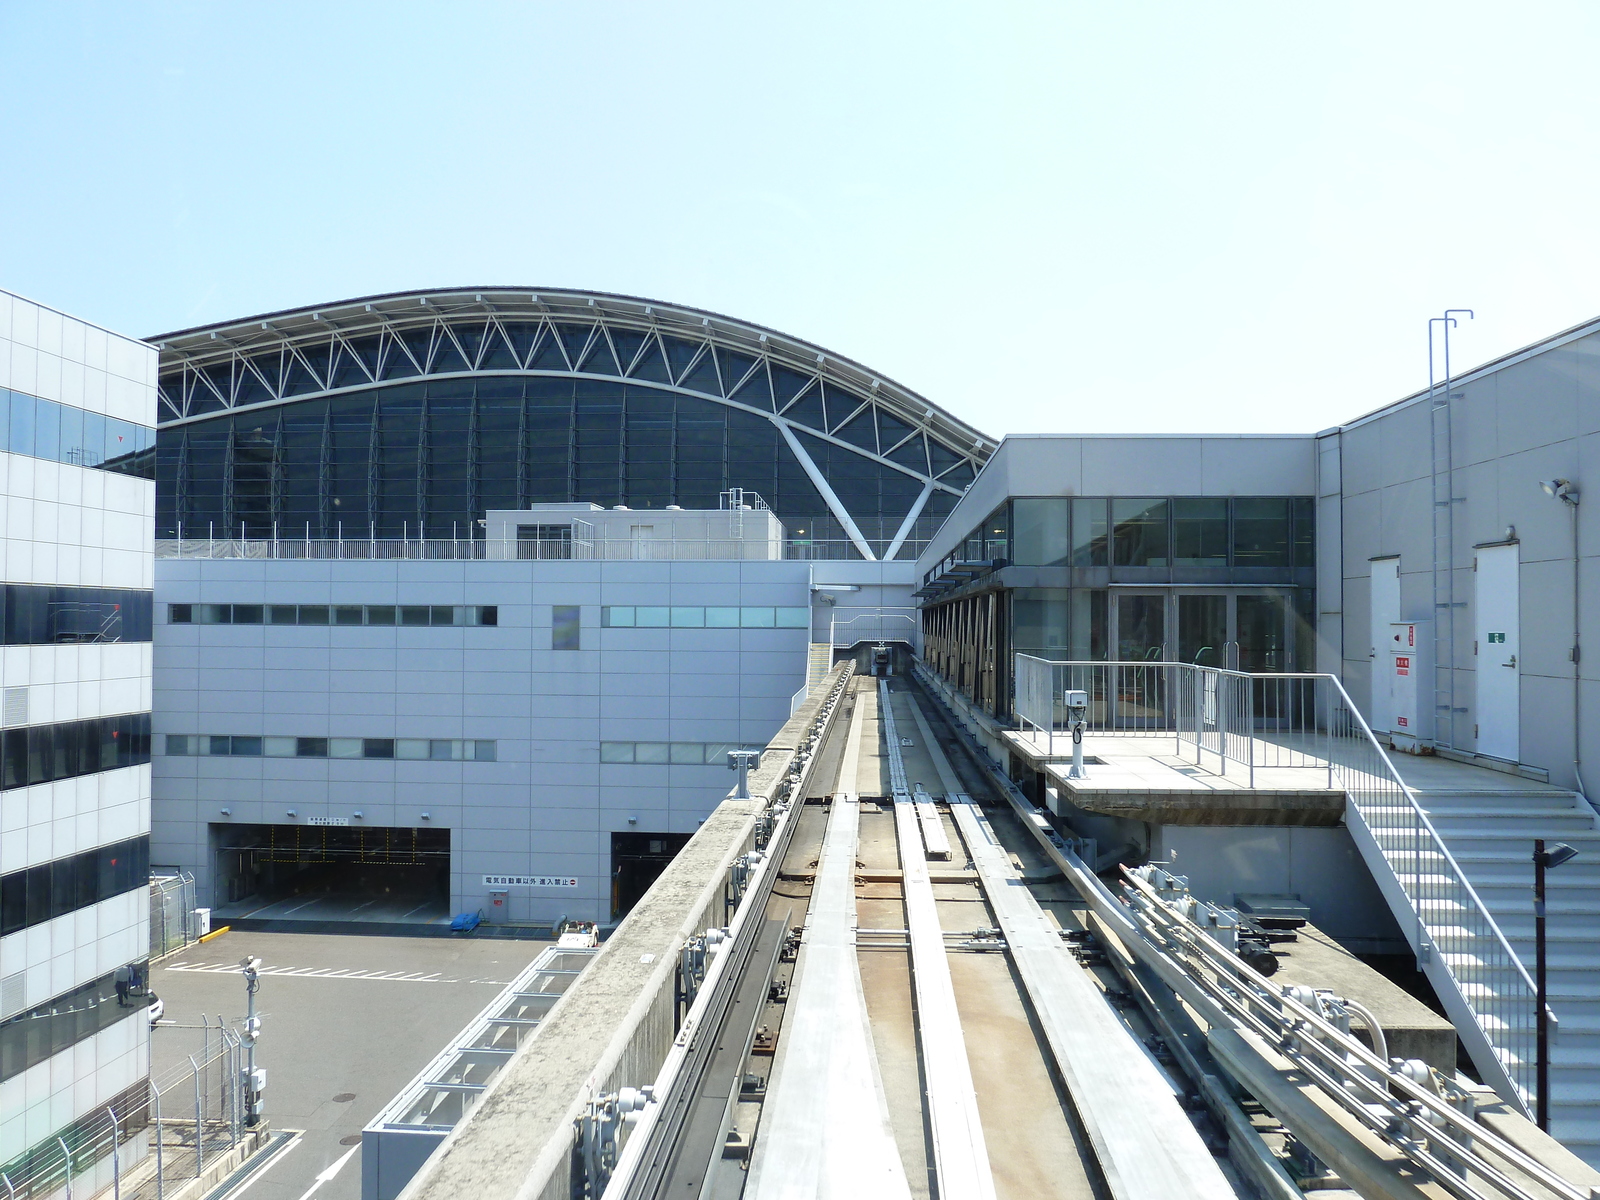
<point x="331" y="1171"/>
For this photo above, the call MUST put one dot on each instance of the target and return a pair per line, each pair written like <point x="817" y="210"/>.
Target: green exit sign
<point x="1497" y="637"/>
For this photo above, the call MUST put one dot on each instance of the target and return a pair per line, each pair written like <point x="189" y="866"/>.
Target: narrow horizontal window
<point x="177" y="744"/>
<point x="347" y="614"/>
<point x="180" y="614"/>
<point x="312" y="747"/>
<point x="377" y="748"/>
<point x="247" y="614"/>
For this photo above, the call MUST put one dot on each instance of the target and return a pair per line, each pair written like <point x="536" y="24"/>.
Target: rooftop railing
<point x="662" y="549"/>
<point x="1302" y="729"/>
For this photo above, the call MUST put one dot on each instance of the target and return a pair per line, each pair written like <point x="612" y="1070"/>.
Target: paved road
<point x="341" y="1017"/>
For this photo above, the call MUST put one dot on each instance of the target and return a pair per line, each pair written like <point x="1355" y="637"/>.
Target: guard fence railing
<point x="659" y="549"/>
<point x="173" y="923"/>
<point x="152" y="1140"/>
<point x="1296" y="731"/>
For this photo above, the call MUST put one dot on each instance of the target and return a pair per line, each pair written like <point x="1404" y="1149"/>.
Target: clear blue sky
<point x="1064" y="216"/>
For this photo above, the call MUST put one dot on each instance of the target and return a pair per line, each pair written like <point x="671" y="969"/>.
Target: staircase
<point x="1489" y="830"/>
<point x="819" y="661"/>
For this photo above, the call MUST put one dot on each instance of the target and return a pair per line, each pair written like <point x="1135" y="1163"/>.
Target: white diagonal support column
<point x="909" y="523"/>
<point x="829" y="496"/>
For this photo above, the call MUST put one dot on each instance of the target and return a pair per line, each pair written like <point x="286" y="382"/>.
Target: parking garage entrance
<point x="321" y="874"/>
<point x="637" y="860"/>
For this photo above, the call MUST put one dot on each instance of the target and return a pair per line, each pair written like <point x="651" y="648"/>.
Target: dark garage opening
<point x="637" y="860"/>
<point x="321" y="874"/>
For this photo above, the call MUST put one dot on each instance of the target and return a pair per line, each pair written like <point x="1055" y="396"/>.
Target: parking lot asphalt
<point x="337" y="1047"/>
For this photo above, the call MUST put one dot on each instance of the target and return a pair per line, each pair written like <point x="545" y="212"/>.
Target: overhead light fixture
<point x="1562" y="489"/>
<point x="1557" y="854"/>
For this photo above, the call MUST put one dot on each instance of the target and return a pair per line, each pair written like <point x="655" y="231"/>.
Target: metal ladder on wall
<point x="1442" y="460"/>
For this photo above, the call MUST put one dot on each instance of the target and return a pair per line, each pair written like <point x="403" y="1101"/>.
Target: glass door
<point x="1138" y="693"/>
<point x="1203" y="630"/>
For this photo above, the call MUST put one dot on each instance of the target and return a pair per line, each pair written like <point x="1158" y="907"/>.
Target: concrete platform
<point x="334" y="912"/>
<point x="1146" y="779"/>
<point x="1412" y="1028"/>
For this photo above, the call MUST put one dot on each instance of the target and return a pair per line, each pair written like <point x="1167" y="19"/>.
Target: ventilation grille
<point x="13" y="994"/>
<point x="14" y="706"/>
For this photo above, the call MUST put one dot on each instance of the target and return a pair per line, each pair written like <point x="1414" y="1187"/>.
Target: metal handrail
<point x="1168" y="682"/>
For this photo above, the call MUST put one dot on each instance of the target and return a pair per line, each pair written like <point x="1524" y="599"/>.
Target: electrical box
<point x="202" y="921"/>
<point x="499" y="906"/>
<point x="1410" y="663"/>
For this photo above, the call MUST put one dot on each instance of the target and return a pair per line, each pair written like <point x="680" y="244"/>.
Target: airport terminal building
<point x="464" y="596"/>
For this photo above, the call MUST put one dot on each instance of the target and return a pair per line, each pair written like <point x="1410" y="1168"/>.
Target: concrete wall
<point x="548" y="804"/>
<point x="1532" y="416"/>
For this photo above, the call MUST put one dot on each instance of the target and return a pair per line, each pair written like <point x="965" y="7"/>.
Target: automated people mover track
<point x="906" y="1018"/>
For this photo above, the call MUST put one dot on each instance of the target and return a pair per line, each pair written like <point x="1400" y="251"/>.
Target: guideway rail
<point x="1249" y="1020"/>
<point x="960" y="1153"/>
<point x="653" y="1149"/>
<point x="825" y="1128"/>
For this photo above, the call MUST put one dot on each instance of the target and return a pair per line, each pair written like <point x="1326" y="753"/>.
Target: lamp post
<point x="254" y="1082"/>
<point x="1543" y="860"/>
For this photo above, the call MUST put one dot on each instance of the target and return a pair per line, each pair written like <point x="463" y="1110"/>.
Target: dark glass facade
<point x="1222" y="581"/>
<point x="415" y="430"/>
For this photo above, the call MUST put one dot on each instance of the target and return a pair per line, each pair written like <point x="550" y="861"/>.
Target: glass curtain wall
<point x="427" y="458"/>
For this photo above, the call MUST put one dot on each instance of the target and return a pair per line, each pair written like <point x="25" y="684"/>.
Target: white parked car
<point x="157" y="1007"/>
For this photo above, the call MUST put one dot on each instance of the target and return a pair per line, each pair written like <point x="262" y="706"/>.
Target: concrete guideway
<point x="961" y="1156"/>
<point x="825" y="1127"/>
<point x="1143" y="1139"/>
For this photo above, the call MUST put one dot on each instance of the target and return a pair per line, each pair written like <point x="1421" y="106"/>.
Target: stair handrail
<point x="1433" y="833"/>
<point x="1517" y="1074"/>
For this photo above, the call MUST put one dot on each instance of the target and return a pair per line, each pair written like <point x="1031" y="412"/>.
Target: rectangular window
<point x="652" y="617"/>
<point x="347" y="614"/>
<point x="1041" y="531"/>
<point x="313" y="614"/>
<point x="411" y="748"/>
<point x="217" y="614"/>
<point x="377" y="747"/>
<point x="221" y="745"/>
<point x="414" y="614"/>
<point x="722" y="618"/>
<point x="246" y="747"/>
<point x="283" y="614"/>
<point x="793" y="618"/>
<point x="279" y="747"/>
<point x="615" y="616"/>
<point x="177" y="744"/>
<point x="247" y="614"/>
<point x="688" y="618"/>
<point x="1140" y="533"/>
<point x="616" y="752"/>
<point x="442" y="749"/>
<point x="566" y="626"/>
<point x="380" y="614"/>
<point x="443" y="614"/>
<point x="756" y="618"/>
<point x="312" y="747"/>
<point x="651" y="752"/>
<point x="483" y="750"/>
<point x="180" y="614"/>
<point x="688" y="753"/>
<point x="1090" y="536"/>
<point x="1200" y="532"/>
<point x="1261" y="533"/>
<point x="489" y="614"/>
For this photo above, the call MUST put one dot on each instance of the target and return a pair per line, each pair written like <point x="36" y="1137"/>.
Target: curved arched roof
<point x="304" y="353"/>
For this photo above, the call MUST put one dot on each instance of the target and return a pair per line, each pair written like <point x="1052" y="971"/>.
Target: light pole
<point x="254" y="1082"/>
<point x="1543" y="860"/>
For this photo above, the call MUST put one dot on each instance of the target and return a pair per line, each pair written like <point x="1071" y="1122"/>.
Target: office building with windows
<point x="77" y="413"/>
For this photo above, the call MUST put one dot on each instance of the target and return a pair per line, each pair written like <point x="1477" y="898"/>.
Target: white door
<point x="1496" y="614"/>
<point x="642" y="537"/>
<point x="1384" y="612"/>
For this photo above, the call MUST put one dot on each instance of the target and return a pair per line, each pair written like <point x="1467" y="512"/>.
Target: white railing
<point x="1287" y="729"/>
<point x="662" y="549"/>
<point x="877" y="625"/>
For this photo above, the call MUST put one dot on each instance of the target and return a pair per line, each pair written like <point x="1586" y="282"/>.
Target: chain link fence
<point x="150" y="1141"/>
<point x="173" y="924"/>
